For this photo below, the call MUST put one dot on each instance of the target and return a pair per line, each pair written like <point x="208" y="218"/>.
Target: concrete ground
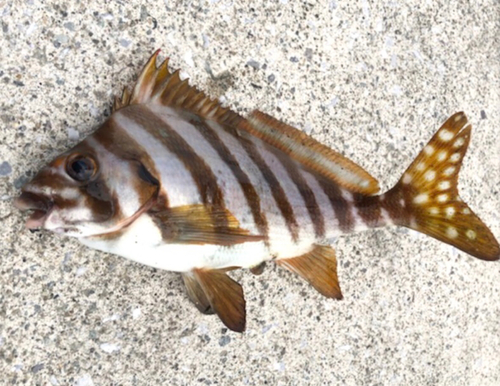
<point x="372" y="79"/>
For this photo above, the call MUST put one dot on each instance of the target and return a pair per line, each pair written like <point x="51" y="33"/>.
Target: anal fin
<point x="224" y="295"/>
<point x="319" y="268"/>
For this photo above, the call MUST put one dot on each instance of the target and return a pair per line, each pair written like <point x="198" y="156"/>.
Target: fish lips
<point x="40" y="205"/>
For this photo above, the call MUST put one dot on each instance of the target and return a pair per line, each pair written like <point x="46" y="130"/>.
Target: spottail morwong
<point x="175" y="181"/>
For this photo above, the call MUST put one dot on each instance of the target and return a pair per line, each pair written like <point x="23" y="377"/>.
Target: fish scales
<point x="175" y="181"/>
<point x="287" y="209"/>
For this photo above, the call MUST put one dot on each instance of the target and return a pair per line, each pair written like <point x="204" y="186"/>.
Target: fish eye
<point x="81" y="168"/>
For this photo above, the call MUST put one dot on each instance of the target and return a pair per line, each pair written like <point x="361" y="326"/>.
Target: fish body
<point x="270" y="195"/>
<point x="177" y="182"/>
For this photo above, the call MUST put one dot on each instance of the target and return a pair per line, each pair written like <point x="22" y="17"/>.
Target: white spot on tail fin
<point x="444" y="185"/>
<point x="443" y="198"/>
<point x="459" y="142"/>
<point x="471" y="234"/>
<point x="434" y="210"/>
<point x="450" y="211"/>
<point x="449" y="171"/>
<point x="451" y="232"/>
<point x="445" y="135"/>
<point x="406" y="178"/>
<point x="429" y="150"/>
<point x="421" y="198"/>
<point x="442" y="156"/>
<point x="430" y="175"/>
<point x="455" y="157"/>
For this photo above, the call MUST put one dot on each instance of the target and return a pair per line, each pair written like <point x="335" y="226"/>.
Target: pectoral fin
<point x="319" y="268"/>
<point x="199" y="224"/>
<point x="196" y="294"/>
<point x="224" y="295"/>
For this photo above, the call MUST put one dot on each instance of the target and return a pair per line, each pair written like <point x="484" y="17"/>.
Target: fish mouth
<point x="40" y="205"/>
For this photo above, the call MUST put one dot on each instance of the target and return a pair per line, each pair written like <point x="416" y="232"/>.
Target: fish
<point x="174" y="180"/>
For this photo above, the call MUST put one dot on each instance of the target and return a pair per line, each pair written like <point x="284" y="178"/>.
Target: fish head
<point x="88" y="191"/>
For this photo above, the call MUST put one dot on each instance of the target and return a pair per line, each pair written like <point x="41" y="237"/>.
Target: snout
<point x="40" y="205"/>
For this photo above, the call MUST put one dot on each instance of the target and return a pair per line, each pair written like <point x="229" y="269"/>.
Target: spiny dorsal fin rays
<point x="156" y="84"/>
<point x="146" y="82"/>
<point x="430" y="193"/>
<point x="309" y="152"/>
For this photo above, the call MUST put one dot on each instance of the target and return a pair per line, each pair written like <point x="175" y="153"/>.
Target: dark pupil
<point x="81" y="169"/>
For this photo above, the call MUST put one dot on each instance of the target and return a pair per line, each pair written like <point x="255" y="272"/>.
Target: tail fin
<point x="428" y="191"/>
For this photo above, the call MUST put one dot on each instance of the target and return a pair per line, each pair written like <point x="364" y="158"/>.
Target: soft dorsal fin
<point x="311" y="153"/>
<point x="157" y="85"/>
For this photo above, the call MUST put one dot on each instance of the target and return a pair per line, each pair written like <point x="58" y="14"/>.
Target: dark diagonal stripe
<point x="248" y="189"/>
<point x="341" y="207"/>
<point x="203" y="176"/>
<point x="369" y="208"/>
<point x="305" y="191"/>
<point x="118" y="142"/>
<point x="273" y="183"/>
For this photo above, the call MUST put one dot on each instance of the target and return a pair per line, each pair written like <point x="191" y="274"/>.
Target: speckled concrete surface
<point x="372" y="79"/>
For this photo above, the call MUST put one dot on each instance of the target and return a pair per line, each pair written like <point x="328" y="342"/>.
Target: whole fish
<point x="175" y="181"/>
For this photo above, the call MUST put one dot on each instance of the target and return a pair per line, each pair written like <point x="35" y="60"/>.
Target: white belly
<point x="142" y="242"/>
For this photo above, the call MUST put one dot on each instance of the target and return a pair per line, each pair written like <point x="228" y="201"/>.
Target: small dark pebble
<point x="294" y="59"/>
<point x="271" y="78"/>
<point x="36" y="368"/>
<point x="5" y="169"/>
<point x="483" y="114"/>
<point x="224" y="340"/>
<point x="19" y="182"/>
<point x="254" y="64"/>
<point x="18" y="83"/>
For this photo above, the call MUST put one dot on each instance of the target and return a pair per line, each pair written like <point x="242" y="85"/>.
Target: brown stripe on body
<point x="248" y="189"/>
<point x="368" y="208"/>
<point x="203" y="176"/>
<point x="119" y="143"/>
<point x="394" y="203"/>
<point x="273" y="183"/>
<point x="307" y="194"/>
<point x="341" y="207"/>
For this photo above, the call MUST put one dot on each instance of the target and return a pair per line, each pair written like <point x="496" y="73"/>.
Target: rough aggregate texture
<point x="374" y="80"/>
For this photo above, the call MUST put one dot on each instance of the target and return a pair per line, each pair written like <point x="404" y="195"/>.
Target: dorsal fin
<point x="311" y="153"/>
<point x="157" y="85"/>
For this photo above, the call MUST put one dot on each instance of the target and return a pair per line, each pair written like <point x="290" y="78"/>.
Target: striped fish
<point x="175" y="181"/>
